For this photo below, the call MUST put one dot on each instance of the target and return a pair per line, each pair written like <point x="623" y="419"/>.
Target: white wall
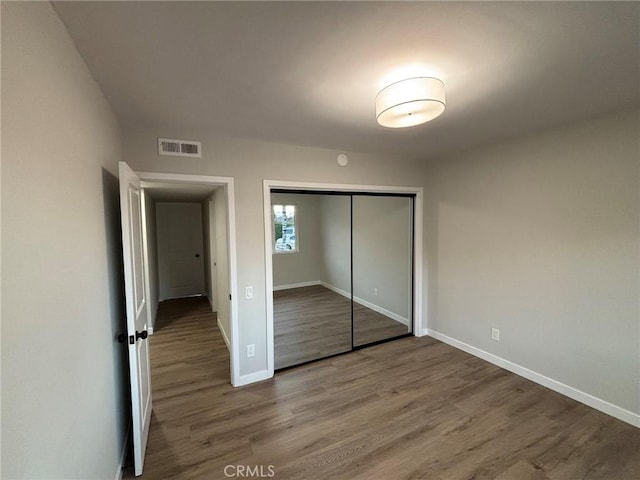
<point x="539" y="237"/>
<point x="305" y="265"/>
<point x="64" y="401"/>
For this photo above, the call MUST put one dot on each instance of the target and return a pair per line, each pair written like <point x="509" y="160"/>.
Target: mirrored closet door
<point x="342" y="272"/>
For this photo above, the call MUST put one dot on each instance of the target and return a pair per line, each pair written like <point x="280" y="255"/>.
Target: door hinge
<point x="229" y="296"/>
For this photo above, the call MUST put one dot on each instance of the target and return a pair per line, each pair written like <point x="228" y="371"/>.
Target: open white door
<point x="134" y="280"/>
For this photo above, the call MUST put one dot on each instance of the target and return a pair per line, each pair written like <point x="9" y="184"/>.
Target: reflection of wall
<point x="305" y="265"/>
<point x="382" y="252"/>
<point x="335" y="215"/>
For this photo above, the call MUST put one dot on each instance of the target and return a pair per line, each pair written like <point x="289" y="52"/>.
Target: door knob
<point x="121" y="338"/>
<point x="143" y="335"/>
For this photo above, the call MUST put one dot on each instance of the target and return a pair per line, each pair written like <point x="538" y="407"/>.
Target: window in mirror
<point x="284" y="229"/>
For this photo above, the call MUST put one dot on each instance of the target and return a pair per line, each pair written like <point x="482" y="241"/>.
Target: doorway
<point x="212" y="200"/>
<point x="138" y="229"/>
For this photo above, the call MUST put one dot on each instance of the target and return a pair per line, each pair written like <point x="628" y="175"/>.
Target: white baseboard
<point x="296" y="285"/>
<point x="224" y="335"/>
<point x="252" y="378"/>
<point x="123" y="456"/>
<point x="369" y="305"/>
<point x="578" y="395"/>
<point x="423" y="332"/>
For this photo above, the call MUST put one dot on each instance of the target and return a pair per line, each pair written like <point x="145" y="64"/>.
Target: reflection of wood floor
<point x="315" y="322"/>
<point x="410" y="409"/>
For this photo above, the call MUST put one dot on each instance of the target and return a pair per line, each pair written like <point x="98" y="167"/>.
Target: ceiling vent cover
<point x="179" y="148"/>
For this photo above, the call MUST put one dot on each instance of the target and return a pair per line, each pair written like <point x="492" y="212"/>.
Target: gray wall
<point x="539" y="238"/>
<point x="152" y="252"/>
<point x="219" y="208"/>
<point x="64" y="401"/>
<point x="305" y="265"/>
<point x="209" y="253"/>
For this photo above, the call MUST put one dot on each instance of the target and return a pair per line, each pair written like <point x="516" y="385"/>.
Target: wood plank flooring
<point x="412" y="409"/>
<point x="315" y="322"/>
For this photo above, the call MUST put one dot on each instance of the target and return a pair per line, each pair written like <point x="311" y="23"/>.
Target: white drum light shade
<point x="410" y="102"/>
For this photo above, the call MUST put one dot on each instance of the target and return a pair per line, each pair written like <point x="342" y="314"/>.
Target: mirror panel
<point x="311" y="276"/>
<point x="382" y="268"/>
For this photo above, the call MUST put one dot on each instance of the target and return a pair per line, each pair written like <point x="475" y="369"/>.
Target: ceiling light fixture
<point x="410" y="102"/>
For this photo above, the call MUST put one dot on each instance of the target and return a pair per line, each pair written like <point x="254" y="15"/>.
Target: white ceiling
<point x="307" y="73"/>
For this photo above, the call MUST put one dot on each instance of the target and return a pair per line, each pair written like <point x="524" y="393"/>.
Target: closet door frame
<point x="420" y="318"/>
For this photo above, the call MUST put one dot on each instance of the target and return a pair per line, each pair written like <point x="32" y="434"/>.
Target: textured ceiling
<point x="307" y="73"/>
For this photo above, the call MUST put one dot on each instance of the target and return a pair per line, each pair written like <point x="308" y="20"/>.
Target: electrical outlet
<point x="495" y="334"/>
<point x="375" y="292"/>
<point x="248" y="293"/>
<point x="251" y="350"/>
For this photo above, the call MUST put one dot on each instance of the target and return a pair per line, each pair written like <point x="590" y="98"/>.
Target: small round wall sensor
<point x="342" y="160"/>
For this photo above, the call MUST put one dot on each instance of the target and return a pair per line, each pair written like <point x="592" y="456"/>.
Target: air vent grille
<point x="179" y="148"/>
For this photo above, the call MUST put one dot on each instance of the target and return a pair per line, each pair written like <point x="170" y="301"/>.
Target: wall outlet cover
<point x="495" y="334"/>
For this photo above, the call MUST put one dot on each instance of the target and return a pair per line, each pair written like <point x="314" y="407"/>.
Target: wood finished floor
<point x="411" y="409"/>
<point x="315" y="322"/>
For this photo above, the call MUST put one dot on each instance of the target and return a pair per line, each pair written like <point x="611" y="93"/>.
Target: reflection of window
<point x="284" y="229"/>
